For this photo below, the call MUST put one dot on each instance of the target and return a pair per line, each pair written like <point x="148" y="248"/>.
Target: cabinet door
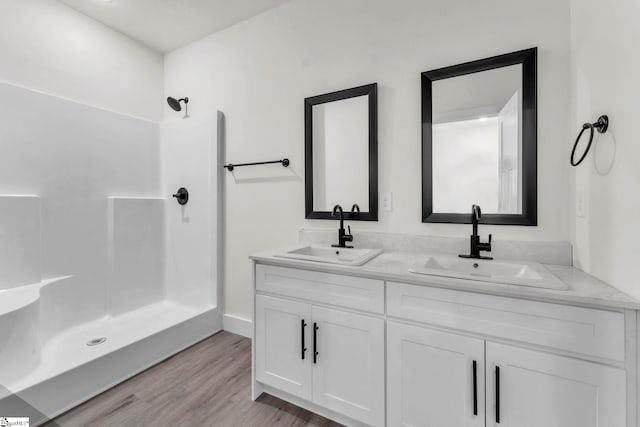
<point x="280" y="333"/>
<point x="348" y="373"/>
<point x="538" y="389"/>
<point x="431" y="380"/>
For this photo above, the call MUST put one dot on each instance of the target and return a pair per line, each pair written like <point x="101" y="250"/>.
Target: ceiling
<point x="165" y="25"/>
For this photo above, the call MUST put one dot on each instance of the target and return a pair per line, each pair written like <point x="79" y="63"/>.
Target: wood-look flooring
<point x="208" y="384"/>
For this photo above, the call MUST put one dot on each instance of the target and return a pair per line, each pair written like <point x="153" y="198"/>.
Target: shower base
<point x="83" y="361"/>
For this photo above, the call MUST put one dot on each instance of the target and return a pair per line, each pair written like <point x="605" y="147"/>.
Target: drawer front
<point x="334" y="289"/>
<point x="597" y="333"/>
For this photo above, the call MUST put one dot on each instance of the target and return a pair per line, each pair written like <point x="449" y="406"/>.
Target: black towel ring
<point x="601" y="125"/>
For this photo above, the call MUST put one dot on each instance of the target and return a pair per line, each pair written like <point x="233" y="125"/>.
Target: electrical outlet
<point x="386" y="201"/>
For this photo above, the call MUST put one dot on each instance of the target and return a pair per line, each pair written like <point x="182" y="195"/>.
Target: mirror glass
<point x="477" y="142"/>
<point x="341" y="157"/>
<point x="341" y="154"/>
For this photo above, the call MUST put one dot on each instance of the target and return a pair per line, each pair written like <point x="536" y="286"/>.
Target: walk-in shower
<point x="102" y="273"/>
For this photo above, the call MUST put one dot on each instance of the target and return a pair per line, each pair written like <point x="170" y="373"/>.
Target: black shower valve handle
<point x="182" y="196"/>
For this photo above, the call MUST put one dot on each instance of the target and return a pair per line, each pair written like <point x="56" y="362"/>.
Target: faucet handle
<point x="484" y="246"/>
<point x="348" y="237"/>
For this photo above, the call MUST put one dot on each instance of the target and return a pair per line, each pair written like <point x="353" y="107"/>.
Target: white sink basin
<point x="511" y="273"/>
<point x="344" y="256"/>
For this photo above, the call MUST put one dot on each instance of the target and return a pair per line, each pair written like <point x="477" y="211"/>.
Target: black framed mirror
<point x="479" y="140"/>
<point x="341" y="153"/>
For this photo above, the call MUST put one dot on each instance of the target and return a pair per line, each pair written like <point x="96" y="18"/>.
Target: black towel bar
<point x="231" y="166"/>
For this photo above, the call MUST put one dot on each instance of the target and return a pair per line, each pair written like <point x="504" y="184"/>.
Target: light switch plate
<point x="386" y="201"/>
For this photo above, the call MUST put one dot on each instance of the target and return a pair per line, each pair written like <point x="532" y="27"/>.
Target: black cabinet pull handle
<point x="304" y="348"/>
<point x="315" y="342"/>
<point x="475" y="389"/>
<point x="498" y="394"/>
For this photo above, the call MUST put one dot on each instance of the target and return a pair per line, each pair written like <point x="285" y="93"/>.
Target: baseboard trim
<point x="237" y="325"/>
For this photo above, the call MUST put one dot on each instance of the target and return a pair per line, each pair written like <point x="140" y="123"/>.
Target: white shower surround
<point x="105" y="251"/>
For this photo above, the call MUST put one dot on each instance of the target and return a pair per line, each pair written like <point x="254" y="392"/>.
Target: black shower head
<point x="175" y="103"/>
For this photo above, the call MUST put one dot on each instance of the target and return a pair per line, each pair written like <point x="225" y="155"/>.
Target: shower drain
<point x="96" y="341"/>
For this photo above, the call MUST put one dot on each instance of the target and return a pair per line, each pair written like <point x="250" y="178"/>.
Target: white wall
<point x="49" y="47"/>
<point x="604" y="74"/>
<point x="259" y="71"/>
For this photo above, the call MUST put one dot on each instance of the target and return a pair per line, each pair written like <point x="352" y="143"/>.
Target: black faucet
<point x="342" y="236"/>
<point x="476" y="244"/>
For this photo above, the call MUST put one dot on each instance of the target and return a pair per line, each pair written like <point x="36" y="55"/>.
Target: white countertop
<point x="584" y="290"/>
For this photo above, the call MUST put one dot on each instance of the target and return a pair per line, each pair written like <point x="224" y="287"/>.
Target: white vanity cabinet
<point x="524" y="387"/>
<point x="282" y="345"/>
<point x="542" y="389"/>
<point x="399" y="354"/>
<point x="348" y="374"/>
<point x="437" y="379"/>
<point x="434" y="378"/>
<point x="331" y="357"/>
